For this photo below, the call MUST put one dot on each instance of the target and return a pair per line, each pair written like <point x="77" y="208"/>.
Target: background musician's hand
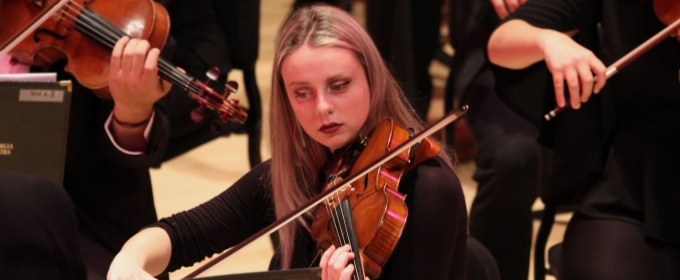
<point x="505" y="7"/>
<point x="335" y="265"/>
<point x="568" y="61"/>
<point x="133" y="80"/>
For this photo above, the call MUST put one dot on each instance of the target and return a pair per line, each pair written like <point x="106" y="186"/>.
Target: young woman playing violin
<point x="329" y="87"/>
<point x="628" y="225"/>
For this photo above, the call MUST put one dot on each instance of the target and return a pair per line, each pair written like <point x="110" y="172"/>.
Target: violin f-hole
<point x="36" y="37"/>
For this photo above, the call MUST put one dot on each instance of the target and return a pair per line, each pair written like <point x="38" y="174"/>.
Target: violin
<point x="357" y="173"/>
<point x="668" y="12"/>
<point x="375" y="212"/>
<point x="85" y="31"/>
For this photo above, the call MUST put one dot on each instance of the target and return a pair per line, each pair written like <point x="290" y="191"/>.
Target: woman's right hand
<point x="125" y="267"/>
<point x="568" y="61"/>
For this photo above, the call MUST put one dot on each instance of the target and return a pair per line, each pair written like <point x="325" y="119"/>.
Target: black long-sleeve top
<point x="432" y="245"/>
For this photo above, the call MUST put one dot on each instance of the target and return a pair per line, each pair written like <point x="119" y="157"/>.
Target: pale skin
<point x="517" y="45"/>
<point x="135" y="87"/>
<point x="334" y="94"/>
<point x="504" y="7"/>
<point x="325" y="86"/>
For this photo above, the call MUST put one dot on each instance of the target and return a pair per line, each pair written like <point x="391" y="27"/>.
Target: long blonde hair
<point x="296" y="158"/>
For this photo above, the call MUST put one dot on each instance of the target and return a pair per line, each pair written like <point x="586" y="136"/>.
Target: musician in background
<point x="329" y="87"/>
<point x="111" y="144"/>
<point x="627" y="226"/>
<point x="507" y="150"/>
<point x="39" y="239"/>
<point x="406" y="32"/>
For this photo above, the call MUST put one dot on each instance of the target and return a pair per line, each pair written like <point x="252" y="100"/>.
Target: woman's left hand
<point x="335" y="263"/>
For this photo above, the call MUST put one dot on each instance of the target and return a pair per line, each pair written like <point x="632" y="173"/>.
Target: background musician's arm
<point x="135" y="88"/>
<point x="517" y="44"/>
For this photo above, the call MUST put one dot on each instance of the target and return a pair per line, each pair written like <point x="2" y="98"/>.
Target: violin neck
<point x="101" y="30"/>
<point x="346" y="234"/>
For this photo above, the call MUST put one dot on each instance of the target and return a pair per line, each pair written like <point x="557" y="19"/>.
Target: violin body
<point x="668" y="11"/>
<point x="378" y="208"/>
<point x="88" y="60"/>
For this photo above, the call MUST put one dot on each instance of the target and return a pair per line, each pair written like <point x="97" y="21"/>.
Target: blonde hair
<point x="296" y="158"/>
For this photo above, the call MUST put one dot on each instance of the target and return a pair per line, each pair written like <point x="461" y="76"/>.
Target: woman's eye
<point x="301" y="94"/>
<point x="339" y="86"/>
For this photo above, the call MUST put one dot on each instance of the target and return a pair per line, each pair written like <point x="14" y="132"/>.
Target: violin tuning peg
<point x="197" y="114"/>
<point x="213" y="73"/>
<point x="232" y="86"/>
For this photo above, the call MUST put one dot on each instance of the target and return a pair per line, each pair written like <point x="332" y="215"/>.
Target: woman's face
<point x="328" y="91"/>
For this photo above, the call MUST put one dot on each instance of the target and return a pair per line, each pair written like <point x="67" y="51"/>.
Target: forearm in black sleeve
<point x="224" y="221"/>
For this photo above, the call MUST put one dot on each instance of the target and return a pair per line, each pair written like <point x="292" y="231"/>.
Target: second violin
<point x="84" y="32"/>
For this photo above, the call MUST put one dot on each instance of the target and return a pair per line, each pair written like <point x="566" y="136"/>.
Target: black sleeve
<point x="158" y="139"/>
<point x="224" y="221"/>
<point x="560" y="15"/>
<point x="433" y="244"/>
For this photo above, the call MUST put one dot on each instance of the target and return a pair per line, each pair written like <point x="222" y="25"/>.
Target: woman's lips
<point x="330" y="128"/>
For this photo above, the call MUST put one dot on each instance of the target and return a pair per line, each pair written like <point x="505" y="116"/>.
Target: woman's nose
<point x="325" y="105"/>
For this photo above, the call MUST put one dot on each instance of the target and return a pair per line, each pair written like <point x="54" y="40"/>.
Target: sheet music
<point x="29" y="77"/>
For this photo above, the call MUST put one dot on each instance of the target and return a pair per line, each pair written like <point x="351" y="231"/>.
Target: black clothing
<point x="228" y="39"/>
<point x="641" y="179"/>
<point x="39" y="239"/>
<point x="432" y="246"/>
<point x="406" y="33"/>
<point x="507" y="151"/>
<point x="110" y="189"/>
<point x="196" y="53"/>
<point x="506" y="176"/>
<point x="592" y="250"/>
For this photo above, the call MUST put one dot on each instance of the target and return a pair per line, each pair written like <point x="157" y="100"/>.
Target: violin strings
<point x="346" y="233"/>
<point x="341" y="230"/>
<point x="346" y="237"/>
<point x="95" y="20"/>
<point x="90" y="21"/>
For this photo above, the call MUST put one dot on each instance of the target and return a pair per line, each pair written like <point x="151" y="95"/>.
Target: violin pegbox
<point x="230" y="111"/>
<point x="227" y="109"/>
